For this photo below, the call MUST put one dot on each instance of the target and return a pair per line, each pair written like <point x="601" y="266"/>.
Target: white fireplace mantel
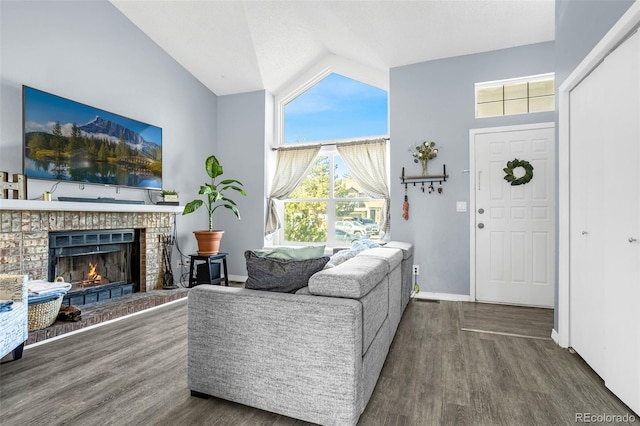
<point x="9" y="204"/>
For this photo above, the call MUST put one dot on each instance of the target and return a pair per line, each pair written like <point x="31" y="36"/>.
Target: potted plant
<point x="169" y="195"/>
<point x="209" y="240"/>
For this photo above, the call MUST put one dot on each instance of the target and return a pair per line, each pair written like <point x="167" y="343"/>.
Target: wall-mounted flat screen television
<point x="69" y="141"/>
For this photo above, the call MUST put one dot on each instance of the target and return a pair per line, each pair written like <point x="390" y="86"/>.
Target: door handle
<point x="479" y="174"/>
<point x="481" y="225"/>
<point x="584" y="232"/>
<point x="480" y="211"/>
<point x="632" y="240"/>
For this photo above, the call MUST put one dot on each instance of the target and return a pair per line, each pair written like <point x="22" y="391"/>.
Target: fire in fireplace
<point x="99" y="264"/>
<point x="93" y="276"/>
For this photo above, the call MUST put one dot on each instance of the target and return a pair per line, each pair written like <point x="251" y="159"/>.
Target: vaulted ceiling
<point x="240" y="46"/>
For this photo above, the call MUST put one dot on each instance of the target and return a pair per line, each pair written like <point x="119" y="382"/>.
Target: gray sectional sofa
<point x="315" y="355"/>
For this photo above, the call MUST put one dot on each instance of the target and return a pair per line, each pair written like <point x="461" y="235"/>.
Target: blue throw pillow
<point x="342" y="256"/>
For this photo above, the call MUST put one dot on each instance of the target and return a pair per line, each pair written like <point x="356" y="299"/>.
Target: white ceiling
<point x="238" y="46"/>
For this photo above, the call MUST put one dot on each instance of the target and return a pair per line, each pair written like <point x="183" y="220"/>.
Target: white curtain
<point x="292" y="165"/>
<point x="367" y="163"/>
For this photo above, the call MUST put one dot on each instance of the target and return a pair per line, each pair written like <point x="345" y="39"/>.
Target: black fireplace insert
<point x="99" y="264"/>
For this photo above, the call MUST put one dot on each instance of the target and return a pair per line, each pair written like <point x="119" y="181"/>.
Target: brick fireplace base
<point x="96" y="313"/>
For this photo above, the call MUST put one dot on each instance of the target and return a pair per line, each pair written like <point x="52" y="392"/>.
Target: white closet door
<point x="605" y="220"/>
<point x="622" y="210"/>
<point x="587" y="327"/>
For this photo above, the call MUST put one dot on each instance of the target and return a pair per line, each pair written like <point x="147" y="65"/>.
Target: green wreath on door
<point x="514" y="164"/>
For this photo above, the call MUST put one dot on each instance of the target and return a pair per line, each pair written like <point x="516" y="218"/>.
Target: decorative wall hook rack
<point x="430" y="179"/>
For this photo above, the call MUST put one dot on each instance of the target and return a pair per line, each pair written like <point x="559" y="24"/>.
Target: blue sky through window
<point x="336" y="108"/>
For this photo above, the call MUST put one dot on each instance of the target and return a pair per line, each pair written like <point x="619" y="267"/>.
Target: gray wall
<point x="89" y="52"/>
<point x="435" y="101"/>
<point x="580" y="24"/>
<point x="244" y="129"/>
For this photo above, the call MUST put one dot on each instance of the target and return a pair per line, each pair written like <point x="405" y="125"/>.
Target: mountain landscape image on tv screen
<point x="69" y="141"/>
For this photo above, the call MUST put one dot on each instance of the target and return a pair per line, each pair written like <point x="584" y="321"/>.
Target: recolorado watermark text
<point x="604" y="418"/>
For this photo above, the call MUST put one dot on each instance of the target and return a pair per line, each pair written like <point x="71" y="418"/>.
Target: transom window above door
<point x="523" y="95"/>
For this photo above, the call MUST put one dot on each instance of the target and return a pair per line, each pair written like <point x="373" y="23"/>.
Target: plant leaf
<point x="205" y="189"/>
<point x="234" y="209"/>
<point x="230" y="201"/>
<point x="215" y="196"/>
<point x="240" y="190"/>
<point x="213" y="167"/>
<point x="191" y="206"/>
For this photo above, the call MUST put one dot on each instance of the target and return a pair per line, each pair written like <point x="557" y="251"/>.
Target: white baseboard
<point x="443" y="296"/>
<point x="556" y="337"/>
<point x="238" y="278"/>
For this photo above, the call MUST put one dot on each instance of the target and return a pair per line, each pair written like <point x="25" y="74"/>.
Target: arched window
<point x="336" y="108"/>
<point x="329" y="206"/>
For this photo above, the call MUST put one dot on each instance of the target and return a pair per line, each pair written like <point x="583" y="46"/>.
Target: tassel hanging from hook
<point x="405" y="205"/>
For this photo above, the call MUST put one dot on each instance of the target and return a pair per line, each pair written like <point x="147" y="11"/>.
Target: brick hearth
<point x="96" y="313"/>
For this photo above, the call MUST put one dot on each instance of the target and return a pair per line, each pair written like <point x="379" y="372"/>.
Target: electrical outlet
<point x="416" y="269"/>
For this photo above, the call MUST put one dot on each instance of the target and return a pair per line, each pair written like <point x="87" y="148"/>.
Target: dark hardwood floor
<point x="133" y="372"/>
<point x="521" y="321"/>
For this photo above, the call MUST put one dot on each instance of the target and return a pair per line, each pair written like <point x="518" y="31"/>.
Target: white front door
<point x="514" y="225"/>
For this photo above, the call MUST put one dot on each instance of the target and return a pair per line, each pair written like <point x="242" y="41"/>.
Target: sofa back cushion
<point x="284" y="276"/>
<point x="407" y="248"/>
<point x="406" y="268"/>
<point x="392" y="257"/>
<point x="351" y="279"/>
<point x="375" y="309"/>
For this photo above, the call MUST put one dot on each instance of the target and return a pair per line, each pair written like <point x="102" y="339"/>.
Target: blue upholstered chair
<point x="14" y="323"/>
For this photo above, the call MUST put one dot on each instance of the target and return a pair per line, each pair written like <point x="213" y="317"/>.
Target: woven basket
<point x="42" y="315"/>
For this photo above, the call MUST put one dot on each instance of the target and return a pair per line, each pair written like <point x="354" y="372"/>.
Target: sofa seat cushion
<point x="304" y="291"/>
<point x="392" y="257"/>
<point x="352" y="279"/>
<point x="284" y="276"/>
<point x="407" y="248"/>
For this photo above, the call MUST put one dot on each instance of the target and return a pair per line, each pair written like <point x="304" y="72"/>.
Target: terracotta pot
<point x="208" y="242"/>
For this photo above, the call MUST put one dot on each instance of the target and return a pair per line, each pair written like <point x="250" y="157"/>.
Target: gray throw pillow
<point x="285" y="276"/>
